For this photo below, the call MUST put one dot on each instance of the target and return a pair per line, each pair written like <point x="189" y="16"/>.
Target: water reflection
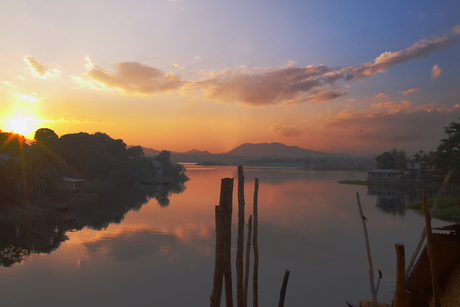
<point x="44" y="233"/>
<point x="394" y="200"/>
<point x="128" y="254"/>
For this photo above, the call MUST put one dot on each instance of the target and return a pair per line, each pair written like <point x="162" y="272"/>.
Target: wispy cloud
<point x="388" y="130"/>
<point x="285" y="131"/>
<point x="393" y="106"/>
<point x="32" y="97"/>
<point x="387" y="59"/>
<point x="258" y="87"/>
<point x="132" y="78"/>
<point x="42" y="71"/>
<point x="456" y="29"/>
<point x="7" y="83"/>
<point x="176" y="66"/>
<point x="380" y="96"/>
<point x="436" y="72"/>
<point x="411" y="91"/>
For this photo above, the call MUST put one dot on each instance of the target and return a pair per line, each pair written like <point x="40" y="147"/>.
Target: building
<point x="385" y="175"/>
<point x="69" y="184"/>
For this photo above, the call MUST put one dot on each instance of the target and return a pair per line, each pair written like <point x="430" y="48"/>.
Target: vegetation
<point x="448" y="209"/>
<point x="31" y="205"/>
<point x="447" y="156"/>
<point x="392" y="159"/>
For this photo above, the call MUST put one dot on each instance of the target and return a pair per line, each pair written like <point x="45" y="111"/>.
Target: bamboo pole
<point x="255" y="276"/>
<point x="400" y="276"/>
<point x="441" y="191"/>
<point x="248" y="254"/>
<point x="240" y="241"/>
<point x="219" y="261"/>
<point x="226" y="202"/>
<point x="283" y="288"/>
<point x="431" y="254"/>
<point x="369" y="257"/>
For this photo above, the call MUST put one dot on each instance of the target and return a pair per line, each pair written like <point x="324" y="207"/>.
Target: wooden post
<point x="248" y="254"/>
<point x="283" y="288"/>
<point x="433" y="211"/>
<point x="369" y="257"/>
<point x="431" y="254"/>
<point x="255" y="276"/>
<point x="219" y="262"/>
<point x="226" y="199"/>
<point x="240" y="241"/>
<point x="400" y="275"/>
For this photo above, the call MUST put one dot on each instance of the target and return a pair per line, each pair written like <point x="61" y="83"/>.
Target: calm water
<point x="164" y="256"/>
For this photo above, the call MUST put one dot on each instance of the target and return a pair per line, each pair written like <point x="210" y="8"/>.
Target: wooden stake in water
<point x="223" y="245"/>
<point x="431" y="253"/>
<point x="255" y="276"/>
<point x="283" y="288"/>
<point x="369" y="257"/>
<point x="240" y="242"/>
<point x="400" y="276"/>
<point x="248" y="254"/>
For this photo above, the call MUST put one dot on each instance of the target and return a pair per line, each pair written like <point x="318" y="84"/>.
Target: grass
<point x="448" y="208"/>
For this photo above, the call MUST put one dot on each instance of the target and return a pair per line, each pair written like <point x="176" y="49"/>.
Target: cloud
<point x="387" y="59"/>
<point x="436" y="72"/>
<point x="384" y="131"/>
<point x="258" y="87"/>
<point x="176" y="66"/>
<point x="7" y="83"/>
<point x="381" y="96"/>
<point x="411" y="91"/>
<point x="456" y="29"/>
<point x="130" y="77"/>
<point x="430" y="107"/>
<point x="393" y="106"/>
<point x="453" y="92"/>
<point x="31" y="98"/>
<point x="39" y="70"/>
<point x="408" y="107"/>
<point x="285" y="131"/>
<point x="197" y="57"/>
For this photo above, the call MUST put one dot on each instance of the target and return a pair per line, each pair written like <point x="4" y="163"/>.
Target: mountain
<point x="274" y="150"/>
<point x="195" y="152"/>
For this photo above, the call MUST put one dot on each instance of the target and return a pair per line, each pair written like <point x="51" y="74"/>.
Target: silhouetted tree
<point x="447" y="155"/>
<point x="392" y="159"/>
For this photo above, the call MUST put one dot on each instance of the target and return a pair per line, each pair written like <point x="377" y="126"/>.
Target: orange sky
<point x="189" y="85"/>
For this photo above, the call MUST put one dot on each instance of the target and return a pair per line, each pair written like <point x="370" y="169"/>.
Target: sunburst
<point x="25" y="126"/>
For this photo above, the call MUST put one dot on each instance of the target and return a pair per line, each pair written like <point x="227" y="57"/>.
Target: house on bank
<point x="385" y="175"/>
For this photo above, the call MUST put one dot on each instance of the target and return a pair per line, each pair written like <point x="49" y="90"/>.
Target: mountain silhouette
<point x="274" y="150"/>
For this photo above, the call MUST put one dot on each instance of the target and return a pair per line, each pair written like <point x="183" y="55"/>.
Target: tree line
<point x="35" y="169"/>
<point x="446" y="156"/>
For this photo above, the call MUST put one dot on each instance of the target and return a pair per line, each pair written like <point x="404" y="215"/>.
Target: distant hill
<point x="246" y="153"/>
<point x="274" y="150"/>
<point x="195" y="152"/>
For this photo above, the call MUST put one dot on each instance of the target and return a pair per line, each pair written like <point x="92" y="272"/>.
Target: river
<point x="164" y="255"/>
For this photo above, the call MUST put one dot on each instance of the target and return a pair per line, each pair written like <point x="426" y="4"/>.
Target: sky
<point x="357" y="77"/>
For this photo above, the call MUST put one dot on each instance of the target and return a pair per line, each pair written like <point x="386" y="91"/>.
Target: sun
<point x="25" y="126"/>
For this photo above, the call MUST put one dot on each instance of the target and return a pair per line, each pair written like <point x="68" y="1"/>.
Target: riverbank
<point x="401" y="184"/>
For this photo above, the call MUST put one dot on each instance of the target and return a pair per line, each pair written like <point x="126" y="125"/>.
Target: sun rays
<point x="25" y="126"/>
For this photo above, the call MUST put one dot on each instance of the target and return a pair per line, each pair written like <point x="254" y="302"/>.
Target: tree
<point x="447" y="155"/>
<point x="392" y="159"/>
<point x="47" y="137"/>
